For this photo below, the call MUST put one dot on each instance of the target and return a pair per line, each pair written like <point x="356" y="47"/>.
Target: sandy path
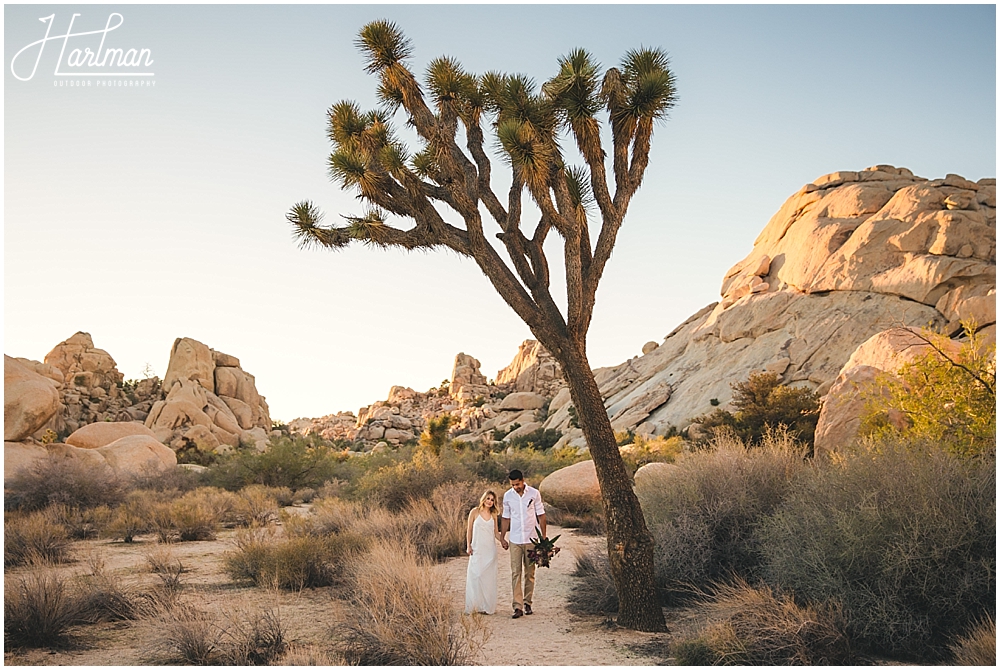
<point x="551" y="636"/>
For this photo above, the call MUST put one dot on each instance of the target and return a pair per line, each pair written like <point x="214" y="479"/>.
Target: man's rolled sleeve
<point x="506" y="508"/>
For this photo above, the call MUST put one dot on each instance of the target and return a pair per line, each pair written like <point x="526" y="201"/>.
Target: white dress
<point x="481" y="578"/>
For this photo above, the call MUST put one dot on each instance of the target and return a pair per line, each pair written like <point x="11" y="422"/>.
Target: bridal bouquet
<point x="542" y="549"/>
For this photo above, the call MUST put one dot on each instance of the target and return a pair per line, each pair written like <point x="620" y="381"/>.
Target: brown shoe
<point x="517" y="614"/>
<point x="527" y="608"/>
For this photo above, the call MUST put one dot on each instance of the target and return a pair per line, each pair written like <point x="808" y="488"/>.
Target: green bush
<point x="755" y="626"/>
<point x="294" y="462"/>
<point x="902" y="534"/>
<point x="704" y="512"/>
<point x="63" y="480"/>
<point x="946" y="400"/>
<point x="395" y="486"/>
<point x="763" y="403"/>
<point x="538" y="440"/>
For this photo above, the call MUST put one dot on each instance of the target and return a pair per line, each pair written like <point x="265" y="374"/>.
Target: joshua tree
<point x="442" y="176"/>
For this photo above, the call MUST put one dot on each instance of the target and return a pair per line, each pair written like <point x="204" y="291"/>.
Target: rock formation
<point x="573" y="488"/>
<point x="92" y="388"/>
<point x="467" y="382"/>
<point x="533" y="370"/>
<point x="30" y="400"/>
<point x="211" y="403"/>
<point x="848" y="256"/>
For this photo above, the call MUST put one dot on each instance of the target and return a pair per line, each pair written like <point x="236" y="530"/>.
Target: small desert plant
<point x="171" y="479"/>
<point x="187" y="635"/>
<point x="902" y="534"/>
<point x="293" y="461"/>
<point x="251" y="638"/>
<point x="400" y="617"/>
<point x="306" y="655"/>
<point x="979" y="647"/>
<point x="435" y="437"/>
<point x="755" y="626"/>
<point x="104" y="597"/>
<point x="593" y="592"/>
<point x="39" y="608"/>
<point x="704" y="512"/>
<point x="131" y="518"/>
<point x="306" y="495"/>
<point x="335" y="488"/>
<point x="161" y="561"/>
<point x="63" y="480"/>
<point x="642" y="450"/>
<point x="33" y="536"/>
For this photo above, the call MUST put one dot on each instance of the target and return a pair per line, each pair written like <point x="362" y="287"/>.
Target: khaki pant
<point x="519" y="564"/>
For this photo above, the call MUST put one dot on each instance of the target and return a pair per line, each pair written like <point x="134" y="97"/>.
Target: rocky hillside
<point x="846" y="257"/>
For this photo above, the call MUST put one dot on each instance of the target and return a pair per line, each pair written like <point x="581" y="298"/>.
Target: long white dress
<point x="481" y="578"/>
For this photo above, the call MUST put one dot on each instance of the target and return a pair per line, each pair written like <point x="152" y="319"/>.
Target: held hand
<point x="468" y="550"/>
<point x="504" y="544"/>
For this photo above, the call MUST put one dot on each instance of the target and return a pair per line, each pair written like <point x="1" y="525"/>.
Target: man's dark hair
<point x="515" y="474"/>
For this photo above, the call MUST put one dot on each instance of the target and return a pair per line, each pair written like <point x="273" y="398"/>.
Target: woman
<point x="481" y="534"/>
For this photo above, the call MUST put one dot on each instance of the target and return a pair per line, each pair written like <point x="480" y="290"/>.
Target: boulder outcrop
<point x="103" y="433"/>
<point x="211" y="403"/>
<point x="845" y="258"/>
<point x="30" y="400"/>
<point x="574" y="488"/>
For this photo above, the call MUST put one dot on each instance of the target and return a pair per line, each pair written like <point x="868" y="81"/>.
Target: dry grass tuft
<point x="33" y="537"/>
<point x="243" y="636"/>
<point x="400" y="616"/>
<point x="307" y="655"/>
<point x="594" y="591"/>
<point x="38" y="608"/>
<point x="979" y="647"/>
<point x="759" y="627"/>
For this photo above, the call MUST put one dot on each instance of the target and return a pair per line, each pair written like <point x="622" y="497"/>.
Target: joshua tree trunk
<point x="630" y="545"/>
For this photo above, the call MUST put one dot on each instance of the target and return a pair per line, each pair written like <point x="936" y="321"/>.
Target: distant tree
<point x="436" y="435"/>
<point x="528" y="125"/>
<point x="762" y="402"/>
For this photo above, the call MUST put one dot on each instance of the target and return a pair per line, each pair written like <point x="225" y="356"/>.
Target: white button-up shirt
<point x="522" y="511"/>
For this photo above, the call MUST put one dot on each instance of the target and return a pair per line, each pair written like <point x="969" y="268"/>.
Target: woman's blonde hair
<point x="496" y="503"/>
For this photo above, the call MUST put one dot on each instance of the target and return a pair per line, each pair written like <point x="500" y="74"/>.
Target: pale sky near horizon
<point x="145" y="213"/>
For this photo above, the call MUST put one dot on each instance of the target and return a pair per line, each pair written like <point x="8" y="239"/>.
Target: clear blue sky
<point x="144" y="214"/>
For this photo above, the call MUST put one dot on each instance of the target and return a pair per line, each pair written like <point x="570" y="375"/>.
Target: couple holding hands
<point x="522" y="511"/>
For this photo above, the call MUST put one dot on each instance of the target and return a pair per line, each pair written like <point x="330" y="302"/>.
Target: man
<point x="522" y="512"/>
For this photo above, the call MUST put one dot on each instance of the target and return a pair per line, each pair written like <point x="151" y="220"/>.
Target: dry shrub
<point x="258" y="505"/>
<point x="194" y="516"/>
<point x="979" y="647"/>
<point x="63" y="480"/>
<point x="38" y="608"/>
<point x="327" y="517"/>
<point x="335" y="488"/>
<point x="703" y="514"/>
<point x="758" y="627"/>
<point x="152" y="478"/>
<point x="82" y="523"/>
<point x="588" y="518"/>
<point x="399" y="614"/>
<point x="395" y="486"/>
<point x="594" y="590"/>
<point x="243" y="636"/>
<point x="187" y="635"/>
<point x="294" y="562"/>
<point x="903" y="535"/>
<point x="162" y="562"/>
<point x="306" y="495"/>
<point x="131" y="518"/>
<point x="32" y="537"/>
<point x="104" y="597"/>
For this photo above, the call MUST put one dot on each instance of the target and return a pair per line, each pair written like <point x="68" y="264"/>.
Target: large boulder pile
<point x="848" y="256"/>
<point x="91" y="387"/>
<point x="30" y="400"/>
<point x="210" y="402"/>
